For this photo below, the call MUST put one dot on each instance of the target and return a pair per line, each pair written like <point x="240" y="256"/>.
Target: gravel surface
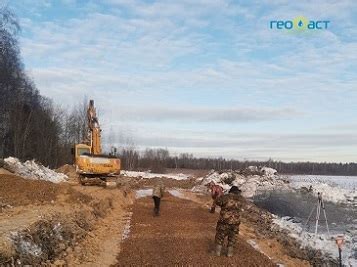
<point x="183" y="235"/>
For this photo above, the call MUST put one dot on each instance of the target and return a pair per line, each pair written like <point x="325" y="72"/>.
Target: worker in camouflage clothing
<point x="229" y="219"/>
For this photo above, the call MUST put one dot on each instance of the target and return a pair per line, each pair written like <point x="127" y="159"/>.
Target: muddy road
<point x="182" y="235"/>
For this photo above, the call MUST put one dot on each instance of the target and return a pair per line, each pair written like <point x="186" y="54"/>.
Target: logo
<point x="299" y="24"/>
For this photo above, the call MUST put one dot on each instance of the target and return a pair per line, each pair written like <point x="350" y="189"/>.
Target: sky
<point x="208" y="77"/>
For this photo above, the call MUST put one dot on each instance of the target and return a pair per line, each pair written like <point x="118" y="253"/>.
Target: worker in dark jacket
<point x="229" y="219"/>
<point x="157" y="194"/>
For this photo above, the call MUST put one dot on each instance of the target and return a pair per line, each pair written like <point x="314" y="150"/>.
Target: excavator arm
<point x="94" y="129"/>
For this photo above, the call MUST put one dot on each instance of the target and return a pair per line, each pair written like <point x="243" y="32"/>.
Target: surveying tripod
<point x="320" y="205"/>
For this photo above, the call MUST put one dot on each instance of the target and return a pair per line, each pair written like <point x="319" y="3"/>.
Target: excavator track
<point x="103" y="181"/>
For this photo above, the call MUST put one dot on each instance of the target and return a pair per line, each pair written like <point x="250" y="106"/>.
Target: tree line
<point x="33" y="127"/>
<point x="157" y="160"/>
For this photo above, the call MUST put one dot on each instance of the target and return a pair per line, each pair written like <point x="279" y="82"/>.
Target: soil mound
<point x="4" y="171"/>
<point x="68" y="170"/>
<point x="17" y="191"/>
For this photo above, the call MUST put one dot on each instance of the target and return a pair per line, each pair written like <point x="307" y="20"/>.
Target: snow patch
<point x="127" y="226"/>
<point x="26" y="246"/>
<point x="176" y="193"/>
<point x="179" y="193"/>
<point x="149" y="175"/>
<point x="270" y="172"/>
<point x="321" y="242"/>
<point x="31" y="170"/>
<point x="250" y="184"/>
<point x="346" y="182"/>
<point x="331" y="187"/>
<point x="143" y="193"/>
<point x="256" y="247"/>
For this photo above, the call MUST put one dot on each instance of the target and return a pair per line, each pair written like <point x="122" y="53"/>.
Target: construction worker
<point x="157" y="194"/>
<point x="229" y="220"/>
<point x="216" y="191"/>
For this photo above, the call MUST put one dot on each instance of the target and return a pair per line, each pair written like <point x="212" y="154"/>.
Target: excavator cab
<point x="81" y="149"/>
<point x="91" y="165"/>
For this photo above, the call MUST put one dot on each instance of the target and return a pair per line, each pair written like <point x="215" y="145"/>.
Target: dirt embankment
<point x="46" y="223"/>
<point x="16" y="191"/>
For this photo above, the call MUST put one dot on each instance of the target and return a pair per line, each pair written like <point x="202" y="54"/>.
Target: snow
<point x="28" y="247"/>
<point x="176" y="193"/>
<point x="249" y="188"/>
<point x="254" y="244"/>
<point x="346" y="182"/>
<point x="31" y="170"/>
<point x="270" y="172"/>
<point x="143" y="193"/>
<point x="217" y="178"/>
<point x="149" y="175"/>
<point x="250" y="185"/>
<point x="333" y="188"/>
<point x="321" y="242"/>
<point x="253" y="168"/>
<point x="179" y="193"/>
<point x="148" y="192"/>
<point x="127" y="226"/>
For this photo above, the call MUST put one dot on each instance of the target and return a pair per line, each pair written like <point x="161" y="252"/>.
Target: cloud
<point x="202" y="65"/>
<point x="213" y="114"/>
<point x="249" y="145"/>
<point x="244" y="140"/>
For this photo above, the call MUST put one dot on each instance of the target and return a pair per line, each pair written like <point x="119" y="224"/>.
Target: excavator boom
<point x="94" y="129"/>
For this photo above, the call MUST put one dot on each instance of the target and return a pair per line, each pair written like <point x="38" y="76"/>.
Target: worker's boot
<point x="218" y="250"/>
<point x="230" y="252"/>
<point x="156" y="212"/>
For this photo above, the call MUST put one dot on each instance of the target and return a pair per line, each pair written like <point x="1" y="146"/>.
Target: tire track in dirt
<point x="182" y="235"/>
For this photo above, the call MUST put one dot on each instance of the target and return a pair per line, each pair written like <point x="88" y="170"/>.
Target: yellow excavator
<point x="90" y="163"/>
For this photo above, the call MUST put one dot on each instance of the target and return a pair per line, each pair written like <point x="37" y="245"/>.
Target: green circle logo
<point x="300" y="23"/>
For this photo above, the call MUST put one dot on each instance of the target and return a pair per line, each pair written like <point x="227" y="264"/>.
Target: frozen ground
<point x="345" y="182"/>
<point x="149" y="175"/>
<point x="322" y="242"/>
<point x="337" y="189"/>
<point x="294" y="207"/>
